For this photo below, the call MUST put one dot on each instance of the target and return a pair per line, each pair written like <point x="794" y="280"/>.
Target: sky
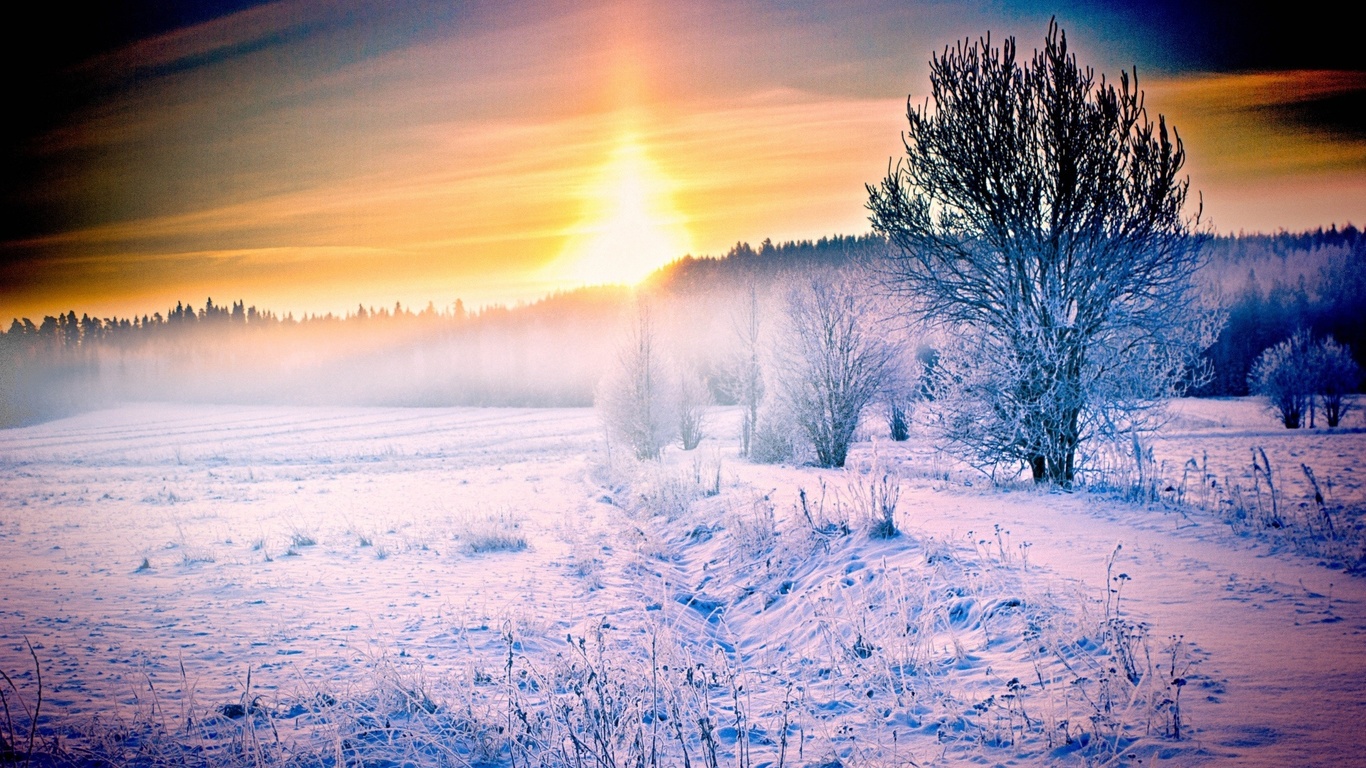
<point x="315" y="156"/>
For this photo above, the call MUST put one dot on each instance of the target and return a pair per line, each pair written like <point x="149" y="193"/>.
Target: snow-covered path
<point x="1281" y="640"/>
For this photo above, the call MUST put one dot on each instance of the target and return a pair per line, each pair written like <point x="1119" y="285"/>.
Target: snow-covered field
<point x="252" y="585"/>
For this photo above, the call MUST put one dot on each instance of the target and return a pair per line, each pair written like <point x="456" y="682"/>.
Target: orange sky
<point x="308" y="157"/>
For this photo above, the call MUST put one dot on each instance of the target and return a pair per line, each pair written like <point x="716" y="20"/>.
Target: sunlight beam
<point x="630" y="226"/>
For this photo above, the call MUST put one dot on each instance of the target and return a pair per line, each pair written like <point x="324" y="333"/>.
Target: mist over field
<point x="552" y="352"/>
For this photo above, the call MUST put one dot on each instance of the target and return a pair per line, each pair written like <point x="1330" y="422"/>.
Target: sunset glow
<point x="311" y="157"/>
<point x="631" y="227"/>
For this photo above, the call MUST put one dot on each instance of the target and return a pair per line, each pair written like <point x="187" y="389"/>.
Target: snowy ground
<point x="243" y="584"/>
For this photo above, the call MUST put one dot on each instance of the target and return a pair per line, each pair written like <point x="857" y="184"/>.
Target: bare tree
<point x="747" y="375"/>
<point x="833" y="362"/>
<point x="634" y="399"/>
<point x="693" y="399"/>
<point x="1038" y="218"/>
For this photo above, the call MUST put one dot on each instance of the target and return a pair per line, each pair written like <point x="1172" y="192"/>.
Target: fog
<point x="554" y="352"/>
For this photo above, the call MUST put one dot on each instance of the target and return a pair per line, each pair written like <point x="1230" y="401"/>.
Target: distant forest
<point x="1274" y="285"/>
<point x="553" y="351"/>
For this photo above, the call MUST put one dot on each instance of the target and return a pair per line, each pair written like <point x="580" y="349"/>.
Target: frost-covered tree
<point x="1284" y="375"/>
<point x="746" y="375"/>
<point x="902" y="385"/>
<point x="1038" y="218"/>
<point x="634" y="398"/>
<point x="833" y="362"/>
<point x="1336" y="375"/>
<point x="693" y="397"/>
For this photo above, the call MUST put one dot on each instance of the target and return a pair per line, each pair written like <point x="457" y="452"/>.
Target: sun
<point x="630" y="227"/>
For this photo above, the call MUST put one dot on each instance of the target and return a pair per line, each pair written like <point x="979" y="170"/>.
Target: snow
<point x="1224" y="432"/>
<point x="330" y="567"/>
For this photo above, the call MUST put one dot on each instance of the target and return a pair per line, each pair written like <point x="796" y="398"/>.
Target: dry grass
<point x="1252" y="501"/>
<point x="497" y="531"/>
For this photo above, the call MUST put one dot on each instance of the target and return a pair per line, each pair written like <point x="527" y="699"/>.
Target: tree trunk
<point x="1332" y="410"/>
<point x="1038" y="465"/>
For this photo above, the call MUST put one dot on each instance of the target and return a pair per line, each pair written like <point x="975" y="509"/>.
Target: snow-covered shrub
<point x="664" y="492"/>
<point x="874" y="493"/>
<point x="706" y="474"/>
<point x="499" y="531"/>
<point x="773" y="440"/>
<point x="1283" y="374"/>
<point x="693" y="399"/>
<point x="634" y="399"/>
<point x="833" y="362"/>
<point x="1336" y="375"/>
<point x="753" y="527"/>
<point x="898" y="420"/>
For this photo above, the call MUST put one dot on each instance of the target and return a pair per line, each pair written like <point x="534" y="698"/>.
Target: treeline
<point x="1274" y="286"/>
<point x="1271" y="285"/>
<point x="66" y="331"/>
<point x="547" y="353"/>
<point x="689" y="275"/>
<point x="541" y="354"/>
<point x="743" y="263"/>
<point x="553" y="352"/>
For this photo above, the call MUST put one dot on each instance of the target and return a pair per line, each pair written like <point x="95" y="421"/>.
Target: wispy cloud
<point x="497" y="199"/>
<point x="1259" y="164"/>
<point x="431" y="148"/>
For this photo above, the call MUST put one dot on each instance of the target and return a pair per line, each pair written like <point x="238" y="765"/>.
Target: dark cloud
<point x="1232" y="36"/>
<point x="44" y="85"/>
<point x="1342" y="114"/>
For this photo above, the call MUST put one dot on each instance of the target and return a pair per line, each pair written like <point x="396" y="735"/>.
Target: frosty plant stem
<point x="1122" y="635"/>
<point x="1262" y="472"/>
<point x="511" y="691"/>
<point x="7" y="747"/>
<point x="1177" y="681"/>
<point x="1318" y="501"/>
<point x="1109" y="570"/>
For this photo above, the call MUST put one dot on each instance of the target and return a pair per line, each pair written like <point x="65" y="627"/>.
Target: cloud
<point x="367" y="146"/>
<point x="481" y="201"/>
<point x="1249" y="144"/>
